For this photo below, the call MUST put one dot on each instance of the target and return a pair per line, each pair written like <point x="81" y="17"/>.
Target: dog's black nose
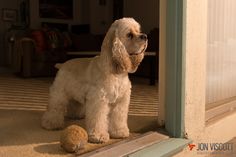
<point x="143" y="37"/>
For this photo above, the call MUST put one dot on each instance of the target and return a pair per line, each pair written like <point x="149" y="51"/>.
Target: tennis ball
<point x="73" y="138"/>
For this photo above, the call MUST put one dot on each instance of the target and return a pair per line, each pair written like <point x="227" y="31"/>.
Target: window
<point x="221" y="58"/>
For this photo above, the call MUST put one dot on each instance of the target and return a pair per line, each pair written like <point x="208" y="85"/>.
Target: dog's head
<point x="126" y="45"/>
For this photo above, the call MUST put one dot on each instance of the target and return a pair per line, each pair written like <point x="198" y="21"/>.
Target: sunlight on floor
<point x="32" y="94"/>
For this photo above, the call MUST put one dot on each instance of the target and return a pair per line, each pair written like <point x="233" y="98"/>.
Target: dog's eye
<point x="130" y="35"/>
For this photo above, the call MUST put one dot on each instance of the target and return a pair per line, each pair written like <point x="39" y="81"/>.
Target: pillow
<point x="39" y="37"/>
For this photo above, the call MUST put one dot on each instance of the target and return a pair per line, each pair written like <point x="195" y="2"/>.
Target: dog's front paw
<point x="52" y="121"/>
<point x="99" y="137"/>
<point x="119" y="133"/>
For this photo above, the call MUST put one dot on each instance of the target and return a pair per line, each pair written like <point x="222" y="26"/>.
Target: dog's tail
<point x="58" y="65"/>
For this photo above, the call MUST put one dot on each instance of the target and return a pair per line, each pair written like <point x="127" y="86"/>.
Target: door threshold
<point x="128" y="146"/>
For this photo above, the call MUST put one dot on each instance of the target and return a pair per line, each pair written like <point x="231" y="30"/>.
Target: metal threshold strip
<point x="140" y="144"/>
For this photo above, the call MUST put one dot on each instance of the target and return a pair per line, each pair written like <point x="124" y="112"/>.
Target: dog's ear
<point x="120" y="58"/>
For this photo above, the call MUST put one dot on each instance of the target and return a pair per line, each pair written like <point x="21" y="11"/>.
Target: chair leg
<point x="152" y="71"/>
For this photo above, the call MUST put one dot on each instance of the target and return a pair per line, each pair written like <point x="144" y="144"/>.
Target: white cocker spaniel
<point x="100" y="86"/>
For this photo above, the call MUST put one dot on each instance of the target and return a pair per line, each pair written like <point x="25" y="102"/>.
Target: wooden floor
<point x="23" y="100"/>
<point x="32" y="94"/>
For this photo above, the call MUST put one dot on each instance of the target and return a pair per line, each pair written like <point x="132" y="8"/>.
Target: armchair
<point x="29" y="62"/>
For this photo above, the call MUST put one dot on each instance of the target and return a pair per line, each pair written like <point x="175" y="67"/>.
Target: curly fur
<point x="99" y="88"/>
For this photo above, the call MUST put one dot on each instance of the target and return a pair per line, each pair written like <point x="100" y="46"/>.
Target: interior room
<point x="38" y="34"/>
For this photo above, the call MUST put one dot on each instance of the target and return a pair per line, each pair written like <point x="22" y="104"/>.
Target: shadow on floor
<point x="20" y="127"/>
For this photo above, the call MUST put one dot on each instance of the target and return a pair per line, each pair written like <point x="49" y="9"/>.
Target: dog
<point x="99" y="86"/>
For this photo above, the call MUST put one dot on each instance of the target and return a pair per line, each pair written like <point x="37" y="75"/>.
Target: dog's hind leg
<point x="53" y="118"/>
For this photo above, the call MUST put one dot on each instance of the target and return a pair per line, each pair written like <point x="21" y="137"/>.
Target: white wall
<point x="145" y="12"/>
